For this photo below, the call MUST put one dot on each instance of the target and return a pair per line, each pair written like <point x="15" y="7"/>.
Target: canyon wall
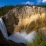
<point x="24" y="18"/>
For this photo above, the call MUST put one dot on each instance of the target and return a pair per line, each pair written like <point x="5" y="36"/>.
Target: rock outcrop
<point x="21" y="17"/>
<point x="10" y="20"/>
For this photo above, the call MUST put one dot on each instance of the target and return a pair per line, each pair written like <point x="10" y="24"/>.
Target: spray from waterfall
<point x="18" y="37"/>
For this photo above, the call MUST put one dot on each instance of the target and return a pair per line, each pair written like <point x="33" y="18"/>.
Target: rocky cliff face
<point x="24" y="18"/>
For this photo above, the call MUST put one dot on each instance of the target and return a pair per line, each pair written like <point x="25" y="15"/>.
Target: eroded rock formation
<point x="21" y="17"/>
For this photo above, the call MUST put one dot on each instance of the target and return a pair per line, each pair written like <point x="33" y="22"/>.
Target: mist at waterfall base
<point x="18" y="37"/>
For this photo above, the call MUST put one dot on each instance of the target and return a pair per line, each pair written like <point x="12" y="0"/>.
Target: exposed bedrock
<point x="24" y="18"/>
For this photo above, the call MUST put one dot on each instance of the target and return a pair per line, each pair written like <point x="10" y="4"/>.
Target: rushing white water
<point x="3" y="29"/>
<point x="18" y="37"/>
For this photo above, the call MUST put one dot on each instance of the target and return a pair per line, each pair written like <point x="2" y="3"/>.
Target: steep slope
<point x="21" y="18"/>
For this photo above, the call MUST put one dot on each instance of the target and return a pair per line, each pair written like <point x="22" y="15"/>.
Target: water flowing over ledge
<point x="18" y="37"/>
<point x="3" y="29"/>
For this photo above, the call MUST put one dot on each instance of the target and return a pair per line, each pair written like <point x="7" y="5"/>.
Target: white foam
<point x="3" y="29"/>
<point x="17" y="37"/>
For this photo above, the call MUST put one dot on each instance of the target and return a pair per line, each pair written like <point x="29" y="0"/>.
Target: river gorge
<point x="21" y="23"/>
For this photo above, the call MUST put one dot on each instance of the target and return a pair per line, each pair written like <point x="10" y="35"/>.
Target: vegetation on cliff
<point x="5" y="9"/>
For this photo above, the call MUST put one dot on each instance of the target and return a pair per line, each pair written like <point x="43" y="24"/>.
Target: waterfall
<point x="18" y="37"/>
<point x="3" y="29"/>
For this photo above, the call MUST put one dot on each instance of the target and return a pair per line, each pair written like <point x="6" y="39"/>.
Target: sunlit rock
<point x="22" y="16"/>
